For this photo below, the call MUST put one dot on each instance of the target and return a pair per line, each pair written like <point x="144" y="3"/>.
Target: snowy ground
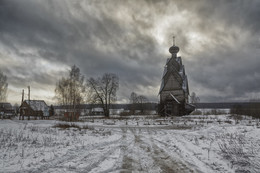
<point x="140" y="144"/>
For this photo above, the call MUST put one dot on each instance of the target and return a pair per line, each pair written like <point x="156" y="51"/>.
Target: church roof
<point x="175" y="68"/>
<point x="173" y="71"/>
<point x="162" y="86"/>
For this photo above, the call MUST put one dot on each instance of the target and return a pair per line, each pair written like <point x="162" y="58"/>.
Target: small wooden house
<point x="34" y="108"/>
<point x="97" y="111"/>
<point x="6" y="110"/>
<point x="71" y="116"/>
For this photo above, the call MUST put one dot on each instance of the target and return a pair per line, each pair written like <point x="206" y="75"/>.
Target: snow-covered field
<point x="195" y="143"/>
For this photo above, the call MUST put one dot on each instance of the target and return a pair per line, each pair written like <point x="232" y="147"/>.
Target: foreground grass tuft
<point x="71" y="125"/>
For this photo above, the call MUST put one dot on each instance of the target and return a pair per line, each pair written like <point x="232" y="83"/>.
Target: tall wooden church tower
<point x="174" y="90"/>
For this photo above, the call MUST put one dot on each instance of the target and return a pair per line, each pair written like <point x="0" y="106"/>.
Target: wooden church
<point x="174" y="90"/>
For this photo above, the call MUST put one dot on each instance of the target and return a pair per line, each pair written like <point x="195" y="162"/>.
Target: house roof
<point x="172" y="72"/>
<point x="37" y="105"/>
<point x="97" y="109"/>
<point x="6" y="106"/>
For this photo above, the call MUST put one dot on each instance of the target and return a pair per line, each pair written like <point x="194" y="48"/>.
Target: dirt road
<point x="137" y="150"/>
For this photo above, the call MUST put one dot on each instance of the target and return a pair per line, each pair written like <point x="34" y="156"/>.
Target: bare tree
<point x="133" y="101"/>
<point x="194" y="98"/>
<point x="62" y="91"/>
<point x="133" y="98"/>
<point x="141" y="100"/>
<point x="137" y="102"/>
<point x="70" y="91"/>
<point x="16" y="108"/>
<point x="3" y="87"/>
<point x="51" y="111"/>
<point x="103" y="90"/>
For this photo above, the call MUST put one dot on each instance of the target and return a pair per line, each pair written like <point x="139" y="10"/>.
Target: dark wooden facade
<point x="174" y="91"/>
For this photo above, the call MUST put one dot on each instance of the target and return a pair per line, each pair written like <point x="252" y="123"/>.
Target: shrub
<point x="125" y="113"/>
<point x="66" y="125"/>
<point x="196" y="112"/>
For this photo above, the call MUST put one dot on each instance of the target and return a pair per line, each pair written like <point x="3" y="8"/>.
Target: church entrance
<point x="171" y="108"/>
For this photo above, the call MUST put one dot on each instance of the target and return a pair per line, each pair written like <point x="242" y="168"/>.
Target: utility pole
<point x="22" y="96"/>
<point x="29" y="102"/>
<point x="29" y="94"/>
<point x="21" y="110"/>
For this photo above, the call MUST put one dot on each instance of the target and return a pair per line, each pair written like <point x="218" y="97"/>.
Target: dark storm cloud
<point x="226" y="68"/>
<point x="123" y="37"/>
<point x="234" y="76"/>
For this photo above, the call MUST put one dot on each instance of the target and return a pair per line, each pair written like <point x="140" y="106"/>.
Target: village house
<point x="6" y="110"/>
<point x="68" y="113"/>
<point x="34" y="108"/>
<point x="97" y="111"/>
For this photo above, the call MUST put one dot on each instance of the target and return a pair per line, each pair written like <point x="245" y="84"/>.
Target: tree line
<point x="74" y="90"/>
<point x="137" y="103"/>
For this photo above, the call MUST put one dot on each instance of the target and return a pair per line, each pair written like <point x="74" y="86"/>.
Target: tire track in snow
<point x="132" y="157"/>
<point x="177" y="149"/>
<point x="126" y="153"/>
<point x="72" y="155"/>
<point x="141" y="159"/>
<point x="167" y="163"/>
<point x="129" y="161"/>
<point x="162" y="159"/>
<point x="123" y="163"/>
<point x="98" y="158"/>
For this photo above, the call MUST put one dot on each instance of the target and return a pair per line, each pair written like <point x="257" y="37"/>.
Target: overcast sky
<point x="219" y="43"/>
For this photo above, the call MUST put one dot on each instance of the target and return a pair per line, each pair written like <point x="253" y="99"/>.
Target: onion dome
<point x="174" y="49"/>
